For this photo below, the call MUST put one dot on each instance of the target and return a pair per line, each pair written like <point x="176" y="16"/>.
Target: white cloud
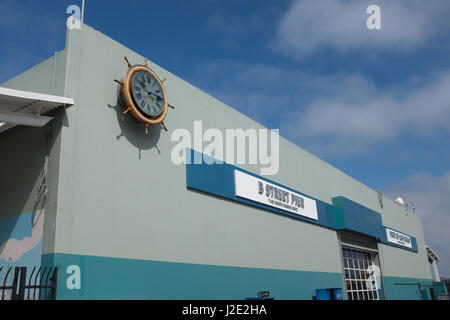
<point x="431" y="196"/>
<point x="340" y="25"/>
<point x="328" y="113"/>
<point x="359" y="114"/>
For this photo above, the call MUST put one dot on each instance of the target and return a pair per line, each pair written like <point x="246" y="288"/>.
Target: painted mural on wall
<point x="21" y="240"/>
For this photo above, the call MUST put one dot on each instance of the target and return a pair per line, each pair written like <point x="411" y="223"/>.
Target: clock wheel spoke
<point x="148" y="99"/>
<point x="128" y="62"/>
<point x="119" y="82"/>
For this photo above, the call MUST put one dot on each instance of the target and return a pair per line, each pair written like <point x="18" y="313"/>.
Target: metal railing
<point x="41" y="284"/>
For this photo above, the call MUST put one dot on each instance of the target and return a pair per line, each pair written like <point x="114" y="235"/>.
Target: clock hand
<point x="148" y="91"/>
<point x="156" y="95"/>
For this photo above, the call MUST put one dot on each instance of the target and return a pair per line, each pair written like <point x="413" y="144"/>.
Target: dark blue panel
<point x="218" y="179"/>
<point x="352" y="216"/>
<point x="355" y="217"/>
<point x="323" y="294"/>
<point x="385" y="241"/>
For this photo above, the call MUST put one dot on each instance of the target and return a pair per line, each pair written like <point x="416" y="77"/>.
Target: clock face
<point x="147" y="94"/>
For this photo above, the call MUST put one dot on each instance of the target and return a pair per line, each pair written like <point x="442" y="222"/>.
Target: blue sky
<point x="373" y="103"/>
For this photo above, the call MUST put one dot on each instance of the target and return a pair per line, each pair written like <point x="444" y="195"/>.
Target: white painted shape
<point x="396" y="237"/>
<point x="246" y="186"/>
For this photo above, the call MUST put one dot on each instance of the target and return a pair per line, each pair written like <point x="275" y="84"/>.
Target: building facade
<point x="120" y="220"/>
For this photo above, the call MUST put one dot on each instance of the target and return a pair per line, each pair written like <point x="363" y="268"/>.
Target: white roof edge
<point x="35" y="96"/>
<point x="432" y="254"/>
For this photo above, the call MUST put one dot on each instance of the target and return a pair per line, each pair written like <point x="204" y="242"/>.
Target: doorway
<point x="361" y="267"/>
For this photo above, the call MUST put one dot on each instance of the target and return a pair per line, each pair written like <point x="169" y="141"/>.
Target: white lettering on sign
<point x="259" y="190"/>
<point x="398" y="238"/>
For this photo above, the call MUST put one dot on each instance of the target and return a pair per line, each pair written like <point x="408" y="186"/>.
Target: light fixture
<point x="400" y="201"/>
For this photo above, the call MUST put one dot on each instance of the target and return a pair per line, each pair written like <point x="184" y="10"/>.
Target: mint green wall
<point x="118" y="179"/>
<point x="116" y="193"/>
<point x="47" y="77"/>
<point x="121" y="196"/>
<point x="20" y="169"/>
<point x="22" y="163"/>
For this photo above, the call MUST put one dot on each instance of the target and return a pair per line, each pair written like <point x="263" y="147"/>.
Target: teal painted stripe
<point x="115" y="278"/>
<point x="398" y="288"/>
<point x="439" y="289"/>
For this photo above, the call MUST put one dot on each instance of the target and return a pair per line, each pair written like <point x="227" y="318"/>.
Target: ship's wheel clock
<point x="143" y="96"/>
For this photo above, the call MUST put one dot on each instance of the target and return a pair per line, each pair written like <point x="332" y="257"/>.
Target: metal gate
<point x="360" y="266"/>
<point x="360" y="273"/>
<point x="39" y="285"/>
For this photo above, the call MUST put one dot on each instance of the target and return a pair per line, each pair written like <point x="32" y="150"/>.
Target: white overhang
<point x="19" y="107"/>
<point x="431" y="255"/>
